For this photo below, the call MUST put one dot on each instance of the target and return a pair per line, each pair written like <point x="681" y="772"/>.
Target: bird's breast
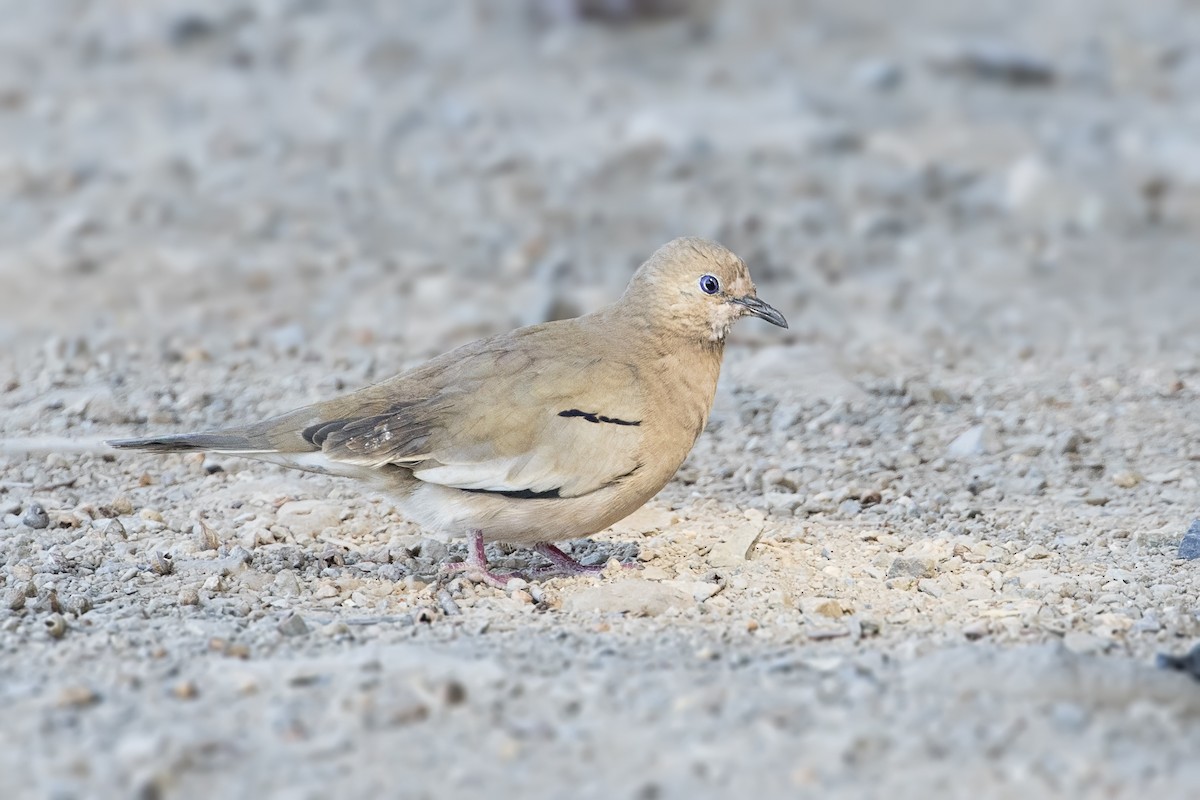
<point x="680" y="391"/>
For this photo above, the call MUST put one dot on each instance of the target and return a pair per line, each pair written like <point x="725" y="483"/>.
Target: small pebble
<point x="185" y="690"/>
<point x="293" y="625"/>
<point x="121" y="504"/>
<point x="56" y="626"/>
<point x="189" y="28"/>
<point x="975" y="630"/>
<point x="878" y="75"/>
<point x="14" y="599"/>
<point x="206" y="537"/>
<point x="969" y="443"/>
<point x="162" y="563"/>
<point x="823" y="633"/>
<point x="1068" y="442"/>
<point x="451" y="693"/>
<point x="36" y="517"/>
<point x="240" y="555"/>
<point x="77" y="697"/>
<point x="994" y="61"/>
<point x="1189" y="663"/>
<point x="1189" y="547"/>
<point x="335" y="628"/>
<point x="447" y="604"/>
<point x="929" y="587"/>
<point x="1126" y="480"/>
<point x="912" y="567"/>
<point x="52" y="602"/>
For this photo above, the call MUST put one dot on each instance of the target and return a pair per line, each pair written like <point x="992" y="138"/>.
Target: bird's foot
<point x="477" y="574"/>
<point x="475" y="568"/>
<point x="563" y="564"/>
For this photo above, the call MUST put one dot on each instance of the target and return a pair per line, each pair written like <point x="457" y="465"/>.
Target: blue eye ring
<point x="709" y="284"/>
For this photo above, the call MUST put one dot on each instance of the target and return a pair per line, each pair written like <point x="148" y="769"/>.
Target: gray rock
<point x="1189" y="664"/>
<point x="912" y="567"/>
<point x="190" y="28"/>
<point x="447" y="604"/>
<point x="994" y="61"/>
<point x="293" y="625"/>
<point x="433" y="549"/>
<point x="1189" y="548"/>
<point x="390" y="572"/>
<point x="286" y="584"/>
<point x="850" y="508"/>
<point x="968" y="443"/>
<point x="609" y="11"/>
<point x="1068" y="442"/>
<point x="878" y="75"/>
<point x="36" y="517"/>
<point x="14" y="599"/>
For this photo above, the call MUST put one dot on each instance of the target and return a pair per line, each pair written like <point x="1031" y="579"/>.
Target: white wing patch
<point x="570" y="456"/>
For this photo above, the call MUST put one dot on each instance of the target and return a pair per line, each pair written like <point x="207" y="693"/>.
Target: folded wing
<point x="509" y="425"/>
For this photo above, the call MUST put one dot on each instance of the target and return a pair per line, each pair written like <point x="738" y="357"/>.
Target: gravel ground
<point x="929" y="544"/>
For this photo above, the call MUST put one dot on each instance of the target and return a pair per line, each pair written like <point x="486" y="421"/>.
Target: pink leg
<point x="475" y="567"/>
<point x="561" y="562"/>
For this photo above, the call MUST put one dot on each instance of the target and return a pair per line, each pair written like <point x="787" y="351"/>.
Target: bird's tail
<point x="219" y="441"/>
<point x="288" y="449"/>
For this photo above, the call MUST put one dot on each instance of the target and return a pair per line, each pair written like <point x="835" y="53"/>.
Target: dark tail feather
<point x="189" y="442"/>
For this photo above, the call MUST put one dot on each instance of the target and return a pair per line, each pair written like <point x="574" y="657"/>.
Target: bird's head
<point x="697" y="288"/>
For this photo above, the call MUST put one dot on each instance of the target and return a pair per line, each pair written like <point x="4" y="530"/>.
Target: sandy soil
<point x="928" y="545"/>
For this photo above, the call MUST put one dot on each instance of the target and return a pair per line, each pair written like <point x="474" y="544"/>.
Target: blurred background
<point x="300" y="174"/>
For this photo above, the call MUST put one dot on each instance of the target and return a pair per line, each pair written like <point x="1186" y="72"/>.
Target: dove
<point x="549" y="433"/>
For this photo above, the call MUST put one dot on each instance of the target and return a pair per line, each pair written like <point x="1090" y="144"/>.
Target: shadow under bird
<point x="548" y="433"/>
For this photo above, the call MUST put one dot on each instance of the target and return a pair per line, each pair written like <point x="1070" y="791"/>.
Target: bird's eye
<point x="709" y="284"/>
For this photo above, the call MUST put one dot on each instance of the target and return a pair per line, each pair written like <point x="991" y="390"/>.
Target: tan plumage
<point x="551" y="432"/>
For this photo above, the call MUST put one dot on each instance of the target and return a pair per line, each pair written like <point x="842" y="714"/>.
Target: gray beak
<point x="761" y="310"/>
